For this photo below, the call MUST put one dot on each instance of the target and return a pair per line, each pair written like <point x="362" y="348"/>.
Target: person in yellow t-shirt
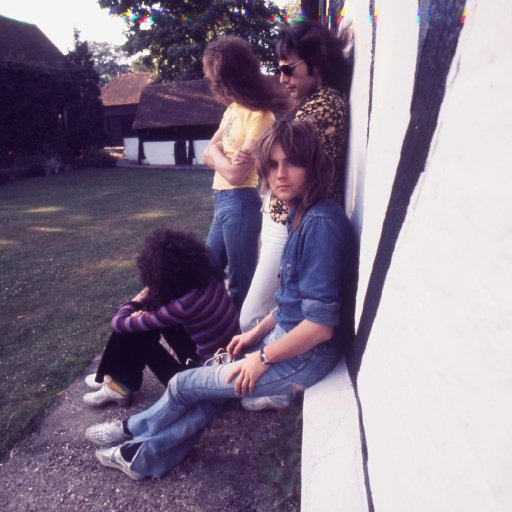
<point x="251" y="98"/>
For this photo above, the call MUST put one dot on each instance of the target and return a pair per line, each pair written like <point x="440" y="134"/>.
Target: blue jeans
<point x="234" y="236"/>
<point x="170" y="428"/>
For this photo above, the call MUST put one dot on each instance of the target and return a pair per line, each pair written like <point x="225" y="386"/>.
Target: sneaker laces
<point x="222" y="356"/>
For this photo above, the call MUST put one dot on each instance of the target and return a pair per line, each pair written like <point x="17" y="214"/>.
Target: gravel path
<point x="54" y="469"/>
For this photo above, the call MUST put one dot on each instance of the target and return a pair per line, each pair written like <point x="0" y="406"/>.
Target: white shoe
<point x="112" y="458"/>
<point x="90" y="382"/>
<point x="266" y="403"/>
<point x="105" y="395"/>
<point x="103" y="434"/>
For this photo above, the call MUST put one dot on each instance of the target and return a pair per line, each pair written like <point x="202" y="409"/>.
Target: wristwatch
<point x="263" y="356"/>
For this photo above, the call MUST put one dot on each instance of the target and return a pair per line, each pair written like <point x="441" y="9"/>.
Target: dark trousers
<point x="126" y="355"/>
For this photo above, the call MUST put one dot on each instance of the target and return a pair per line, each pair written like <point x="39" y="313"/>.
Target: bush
<point x="51" y="161"/>
<point x="21" y="167"/>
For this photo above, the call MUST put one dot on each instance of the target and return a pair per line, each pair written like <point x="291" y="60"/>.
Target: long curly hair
<point x="318" y="46"/>
<point x="302" y="146"/>
<point x="172" y="263"/>
<point x="234" y="74"/>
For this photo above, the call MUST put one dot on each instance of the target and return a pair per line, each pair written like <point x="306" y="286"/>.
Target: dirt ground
<point x="54" y="469"/>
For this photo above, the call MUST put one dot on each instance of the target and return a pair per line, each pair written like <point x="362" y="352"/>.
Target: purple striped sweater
<point x="207" y="314"/>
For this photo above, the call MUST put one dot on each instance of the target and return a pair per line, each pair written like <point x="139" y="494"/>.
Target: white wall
<point x="131" y="148"/>
<point x="436" y="378"/>
<point x="435" y="382"/>
<point x="357" y="20"/>
<point x="199" y="147"/>
<point x="162" y="153"/>
<point x="373" y="160"/>
<point x="159" y="153"/>
<point x="332" y="458"/>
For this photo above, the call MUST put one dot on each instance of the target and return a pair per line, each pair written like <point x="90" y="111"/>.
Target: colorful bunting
<point x="464" y="15"/>
<point x="130" y="16"/>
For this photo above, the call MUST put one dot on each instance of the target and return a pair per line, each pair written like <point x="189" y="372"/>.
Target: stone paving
<point x="54" y="469"/>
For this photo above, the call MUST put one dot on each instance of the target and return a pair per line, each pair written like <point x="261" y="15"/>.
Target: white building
<point x="429" y="184"/>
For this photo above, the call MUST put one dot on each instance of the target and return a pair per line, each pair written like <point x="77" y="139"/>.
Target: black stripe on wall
<point x="434" y="63"/>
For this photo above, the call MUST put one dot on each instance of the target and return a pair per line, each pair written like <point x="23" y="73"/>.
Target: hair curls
<point x="171" y="263"/>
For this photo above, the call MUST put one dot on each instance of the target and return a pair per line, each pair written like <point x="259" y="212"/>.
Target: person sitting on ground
<point x="290" y="349"/>
<point x="316" y="73"/>
<point x="184" y="300"/>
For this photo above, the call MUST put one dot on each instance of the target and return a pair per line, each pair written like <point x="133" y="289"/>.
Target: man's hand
<point x="141" y="295"/>
<point x="241" y="157"/>
<point x="248" y="371"/>
<point x="241" y="342"/>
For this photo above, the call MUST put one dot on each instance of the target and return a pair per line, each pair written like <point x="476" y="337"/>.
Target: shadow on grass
<point x="68" y="245"/>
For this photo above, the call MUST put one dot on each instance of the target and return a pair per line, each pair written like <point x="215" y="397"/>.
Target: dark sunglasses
<point x="287" y="69"/>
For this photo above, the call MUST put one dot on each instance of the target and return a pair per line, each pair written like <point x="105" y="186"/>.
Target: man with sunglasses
<point x="317" y="75"/>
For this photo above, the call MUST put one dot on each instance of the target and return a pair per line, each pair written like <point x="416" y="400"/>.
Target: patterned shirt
<point x="327" y="110"/>
<point x="208" y="315"/>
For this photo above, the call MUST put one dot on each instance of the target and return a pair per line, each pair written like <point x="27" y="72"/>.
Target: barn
<point x="175" y="121"/>
<point x="120" y="99"/>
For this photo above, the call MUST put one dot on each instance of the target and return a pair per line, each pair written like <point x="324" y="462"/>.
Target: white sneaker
<point x="105" y="395"/>
<point x="266" y="403"/>
<point x="90" y="382"/>
<point x="103" y="434"/>
<point x="112" y="458"/>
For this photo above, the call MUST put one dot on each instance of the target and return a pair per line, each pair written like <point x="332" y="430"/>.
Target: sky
<point x="58" y="18"/>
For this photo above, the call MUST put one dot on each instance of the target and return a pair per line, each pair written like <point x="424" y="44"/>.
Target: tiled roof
<point x="23" y="44"/>
<point x="179" y="104"/>
<point x="125" y="89"/>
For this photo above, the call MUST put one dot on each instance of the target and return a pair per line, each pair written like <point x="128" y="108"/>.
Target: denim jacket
<point x="317" y="270"/>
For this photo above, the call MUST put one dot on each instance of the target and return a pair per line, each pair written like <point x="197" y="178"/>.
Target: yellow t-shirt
<point x="239" y="124"/>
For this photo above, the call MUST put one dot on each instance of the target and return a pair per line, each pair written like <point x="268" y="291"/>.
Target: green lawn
<point x="68" y="244"/>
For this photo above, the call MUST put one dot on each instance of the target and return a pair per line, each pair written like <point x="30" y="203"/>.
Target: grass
<point x="68" y="245"/>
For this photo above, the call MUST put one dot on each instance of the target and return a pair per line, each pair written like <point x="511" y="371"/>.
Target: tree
<point x="86" y="112"/>
<point x="175" y="33"/>
<point x="32" y="109"/>
<point x="110" y="60"/>
<point x="142" y="64"/>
